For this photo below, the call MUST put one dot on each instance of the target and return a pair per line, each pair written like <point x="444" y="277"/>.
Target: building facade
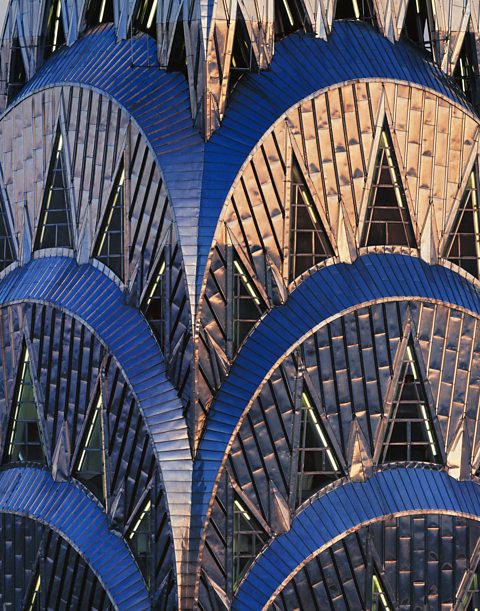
<point x="240" y="305"/>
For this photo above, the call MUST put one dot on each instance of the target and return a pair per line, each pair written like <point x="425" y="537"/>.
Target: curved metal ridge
<point x="32" y="492"/>
<point x="328" y="292"/>
<point x="86" y="293"/>
<point x="387" y="493"/>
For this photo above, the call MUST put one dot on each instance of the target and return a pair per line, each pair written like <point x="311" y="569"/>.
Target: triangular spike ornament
<point x="463" y="245"/>
<point x="309" y="244"/>
<point x="410" y="434"/>
<point x="248" y="306"/>
<point x="55" y="226"/>
<point x="110" y="242"/>
<point x="25" y="441"/>
<point x="387" y="219"/>
<point x="90" y="469"/>
<point x="317" y="464"/>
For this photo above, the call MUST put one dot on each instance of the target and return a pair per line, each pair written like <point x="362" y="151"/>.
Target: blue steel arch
<point x="90" y="296"/>
<point x="68" y="510"/>
<point x="387" y="493"/>
<point x="327" y="293"/>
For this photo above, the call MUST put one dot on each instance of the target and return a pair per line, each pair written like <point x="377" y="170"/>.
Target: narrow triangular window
<point x="360" y="10"/>
<point x="154" y="304"/>
<point x="379" y="595"/>
<point x="110" y="242"/>
<point x="91" y="463"/>
<point x="248" y="306"/>
<point x="317" y="463"/>
<point x="55" y="229"/>
<point x="387" y="221"/>
<point x="471" y="598"/>
<point x="243" y="57"/>
<point x="145" y="17"/>
<point x="289" y="17"/>
<point x="17" y="75"/>
<point x="464" y="73"/>
<point x="410" y="434"/>
<point x="55" y="34"/>
<point x="7" y="254"/>
<point x="25" y="442"/>
<point x="99" y="11"/>
<point x="463" y="246"/>
<point x="248" y="540"/>
<point x="140" y="539"/>
<point x="34" y="598"/>
<point x="417" y="26"/>
<point x="309" y="244"/>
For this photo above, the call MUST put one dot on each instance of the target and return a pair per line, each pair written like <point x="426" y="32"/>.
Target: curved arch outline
<point x="347" y="508"/>
<point x="31" y="492"/>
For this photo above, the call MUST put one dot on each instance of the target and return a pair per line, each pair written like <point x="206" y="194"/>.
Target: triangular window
<point x="289" y="17"/>
<point x="91" y="464"/>
<point x="464" y="73"/>
<point x="248" y="306"/>
<point x="463" y="247"/>
<point x="110" y="242"/>
<point x="317" y="463"/>
<point x="140" y="539"/>
<point x="55" y="36"/>
<point x="471" y="599"/>
<point x="25" y="444"/>
<point x="145" y="17"/>
<point x="55" y="228"/>
<point x="379" y="595"/>
<point x="7" y="255"/>
<point x="17" y="76"/>
<point x="34" y="599"/>
<point x="417" y="26"/>
<point x="410" y="434"/>
<point x="387" y="220"/>
<point x="309" y="244"/>
<point x="99" y="11"/>
<point x="248" y="540"/>
<point x="154" y="305"/>
<point x="360" y="10"/>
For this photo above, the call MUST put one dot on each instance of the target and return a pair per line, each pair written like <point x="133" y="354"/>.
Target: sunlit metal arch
<point x="89" y="296"/>
<point x="343" y="509"/>
<point x="31" y="492"/>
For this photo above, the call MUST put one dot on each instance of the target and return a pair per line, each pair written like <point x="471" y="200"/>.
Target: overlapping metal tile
<point x="333" y="513"/>
<point x="89" y="295"/>
<point x="32" y="492"/>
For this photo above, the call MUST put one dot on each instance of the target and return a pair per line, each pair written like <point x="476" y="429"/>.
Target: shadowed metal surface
<point x="390" y="492"/>
<point x="89" y="295"/>
<point x="33" y="493"/>
<point x="326" y="293"/>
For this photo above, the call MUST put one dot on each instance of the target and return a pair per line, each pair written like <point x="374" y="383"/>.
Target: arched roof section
<point x="354" y="51"/>
<point x="329" y="517"/>
<point x="325" y="294"/>
<point x="32" y="493"/>
<point x="127" y="71"/>
<point x="87" y="294"/>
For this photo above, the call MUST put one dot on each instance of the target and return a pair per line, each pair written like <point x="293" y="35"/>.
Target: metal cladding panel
<point x="353" y="51"/>
<point x="33" y="493"/>
<point x="326" y="293"/>
<point x="88" y="294"/>
<point x="403" y="489"/>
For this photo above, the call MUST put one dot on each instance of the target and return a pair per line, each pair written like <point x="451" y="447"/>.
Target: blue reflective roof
<point x="326" y="293"/>
<point x="86" y="293"/>
<point x="332" y="514"/>
<point x="32" y="492"/>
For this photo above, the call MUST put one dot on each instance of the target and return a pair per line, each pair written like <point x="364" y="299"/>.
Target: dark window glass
<point x="55" y="34"/>
<point x="379" y="596"/>
<point x="55" y="226"/>
<point x="410" y="433"/>
<point x="7" y="255"/>
<point x="140" y="539"/>
<point x="463" y="247"/>
<point x="248" y="306"/>
<point x="464" y="73"/>
<point x="99" y="11"/>
<point x="309" y="244"/>
<point x="17" y="76"/>
<point x="25" y="439"/>
<point x="417" y="24"/>
<point x="109" y="248"/>
<point x="360" y="10"/>
<point x="317" y="464"/>
<point x="145" y="17"/>
<point x="91" y="465"/>
<point x="387" y="221"/>
<point x="248" y="540"/>
<point x="154" y="305"/>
